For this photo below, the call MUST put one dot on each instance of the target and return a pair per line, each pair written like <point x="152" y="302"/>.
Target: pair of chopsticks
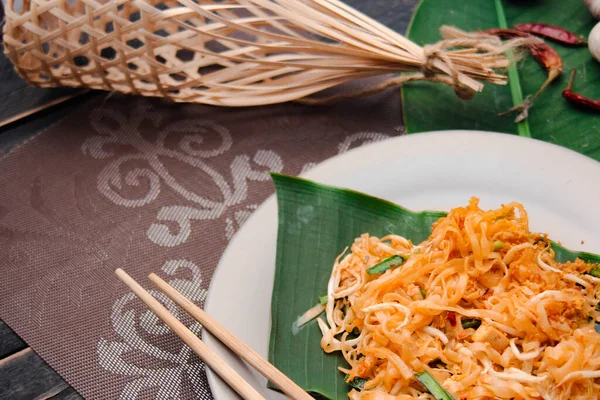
<point x="226" y="372"/>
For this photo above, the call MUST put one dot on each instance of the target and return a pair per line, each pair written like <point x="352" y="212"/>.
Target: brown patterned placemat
<point x="149" y="186"/>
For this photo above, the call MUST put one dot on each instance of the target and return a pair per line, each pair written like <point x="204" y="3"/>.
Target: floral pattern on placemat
<point x="146" y="186"/>
<point x="132" y="329"/>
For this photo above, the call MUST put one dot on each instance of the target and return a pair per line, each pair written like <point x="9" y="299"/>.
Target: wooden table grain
<point x="23" y="374"/>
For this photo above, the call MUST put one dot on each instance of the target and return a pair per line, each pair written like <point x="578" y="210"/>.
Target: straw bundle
<point x="227" y="52"/>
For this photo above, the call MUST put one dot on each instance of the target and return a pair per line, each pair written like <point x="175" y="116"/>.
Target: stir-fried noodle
<point x="481" y="305"/>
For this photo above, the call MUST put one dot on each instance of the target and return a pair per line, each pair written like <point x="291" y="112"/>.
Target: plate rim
<point x="213" y="379"/>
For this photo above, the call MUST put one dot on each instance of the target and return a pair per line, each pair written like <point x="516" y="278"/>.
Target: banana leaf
<point x="316" y="222"/>
<point x="429" y="107"/>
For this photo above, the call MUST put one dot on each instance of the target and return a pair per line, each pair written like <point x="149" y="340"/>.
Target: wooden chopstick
<point x="267" y="369"/>
<point x="228" y="374"/>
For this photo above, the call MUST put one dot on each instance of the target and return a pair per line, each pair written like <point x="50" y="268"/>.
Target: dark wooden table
<point x="23" y="374"/>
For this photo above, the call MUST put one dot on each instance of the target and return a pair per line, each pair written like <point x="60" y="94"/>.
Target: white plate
<point x="430" y="171"/>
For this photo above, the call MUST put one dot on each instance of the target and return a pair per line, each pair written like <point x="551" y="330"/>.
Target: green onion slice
<point x="470" y="323"/>
<point x="390" y="262"/>
<point x="357" y="383"/>
<point x="323" y="299"/>
<point x="595" y="272"/>
<point x="432" y="386"/>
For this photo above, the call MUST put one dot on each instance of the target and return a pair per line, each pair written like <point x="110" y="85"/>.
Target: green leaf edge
<point x="277" y="177"/>
<point x="562" y="254"/>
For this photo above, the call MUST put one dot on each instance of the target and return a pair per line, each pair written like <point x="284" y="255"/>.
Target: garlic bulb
<point x="594" y="7"/>
<point x="594" y="41"/>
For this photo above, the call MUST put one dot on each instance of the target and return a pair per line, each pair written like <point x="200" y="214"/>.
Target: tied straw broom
<point x="232" y="52"/>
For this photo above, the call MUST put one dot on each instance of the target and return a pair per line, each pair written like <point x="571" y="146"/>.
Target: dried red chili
<point x="552" y="32"/>
<point x="550" y="60"/>
<point x="578" y="99"/>
<point x="506" y="33"/>
<point x="544" y="54"/>
<point x="451" y="318"/>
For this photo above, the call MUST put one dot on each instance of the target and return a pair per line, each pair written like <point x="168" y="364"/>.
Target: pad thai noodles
<point x="481" y="307"/>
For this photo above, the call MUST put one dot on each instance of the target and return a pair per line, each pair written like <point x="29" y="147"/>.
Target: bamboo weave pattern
<point x="222" y="52"/>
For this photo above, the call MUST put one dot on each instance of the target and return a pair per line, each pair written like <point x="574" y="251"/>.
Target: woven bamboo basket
<point x="227" y="52"/>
